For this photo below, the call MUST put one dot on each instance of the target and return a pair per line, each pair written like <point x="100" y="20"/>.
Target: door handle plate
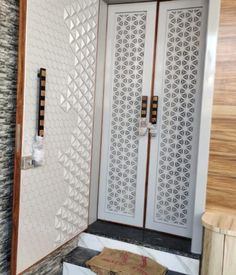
<point x="42" y="91"/>
<point x="153" y="117"/>
<point x="143" y="117"/>
<point x="154" y="109"/>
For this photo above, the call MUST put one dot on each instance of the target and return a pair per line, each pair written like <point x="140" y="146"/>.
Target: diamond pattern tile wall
<point x="80" y="19"/>
<point x="61" y="36"/>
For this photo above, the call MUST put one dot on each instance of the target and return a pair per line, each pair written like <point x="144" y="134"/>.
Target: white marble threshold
<point x="173" y="262"/>
<point x="70" y="269"/>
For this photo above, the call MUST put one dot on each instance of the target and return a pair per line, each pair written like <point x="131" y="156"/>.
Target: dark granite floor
<point x="147" y="238"/>
<point x="79" y="256"/>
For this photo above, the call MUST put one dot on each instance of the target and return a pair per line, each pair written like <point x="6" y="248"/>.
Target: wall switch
<point x="27" y="162"/>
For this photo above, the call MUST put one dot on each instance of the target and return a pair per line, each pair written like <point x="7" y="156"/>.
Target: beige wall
<point x="221" y="190"/>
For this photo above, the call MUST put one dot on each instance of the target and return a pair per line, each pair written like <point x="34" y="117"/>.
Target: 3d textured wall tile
<point x="61" y="37"/>
<point x="81" y="21"/>
<point x="52" y="264"/>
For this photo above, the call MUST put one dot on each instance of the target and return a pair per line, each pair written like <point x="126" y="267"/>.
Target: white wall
<point x="98" y="111"/>
<point x="61" y="37"/>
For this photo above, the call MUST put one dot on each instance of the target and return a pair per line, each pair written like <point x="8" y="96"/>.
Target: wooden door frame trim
<point x="18" y="139"/>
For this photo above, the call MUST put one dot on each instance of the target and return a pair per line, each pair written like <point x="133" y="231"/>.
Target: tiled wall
<point x="52" y="265"/>
<point x="8" y="71"/>
<point x="61" y="36"/>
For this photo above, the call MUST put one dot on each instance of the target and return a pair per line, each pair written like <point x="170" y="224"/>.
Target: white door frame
<point x="98" y="111"/>
<point x="205" y="127"/>
<point x="205" y="122"/>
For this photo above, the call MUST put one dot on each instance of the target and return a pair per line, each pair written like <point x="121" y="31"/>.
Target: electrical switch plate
<point x="27" y="162"/>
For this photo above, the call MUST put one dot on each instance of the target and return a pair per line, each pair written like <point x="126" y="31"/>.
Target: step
<point x="144" y="237"/>
<point x="173" y="262"/>
<point x="74" y="262"/>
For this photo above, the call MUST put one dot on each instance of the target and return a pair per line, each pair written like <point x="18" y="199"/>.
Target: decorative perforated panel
<point x="127" y="91"/>
<point x="180" y="102"/>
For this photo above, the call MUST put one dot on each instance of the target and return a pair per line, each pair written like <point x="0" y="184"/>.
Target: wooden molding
<point x="18" y="140"/>
<point x="221" y="190"/>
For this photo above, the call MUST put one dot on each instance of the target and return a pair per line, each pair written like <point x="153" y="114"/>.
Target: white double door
<point x="149" y="179"/>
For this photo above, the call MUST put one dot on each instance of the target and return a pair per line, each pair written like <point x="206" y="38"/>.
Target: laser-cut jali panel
<point x="126" y="105"/>
<point x="61" y="37"/>
<point x="180" y="105"/>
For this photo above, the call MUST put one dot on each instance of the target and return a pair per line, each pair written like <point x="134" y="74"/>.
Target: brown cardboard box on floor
<point x="118" y="262"/>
